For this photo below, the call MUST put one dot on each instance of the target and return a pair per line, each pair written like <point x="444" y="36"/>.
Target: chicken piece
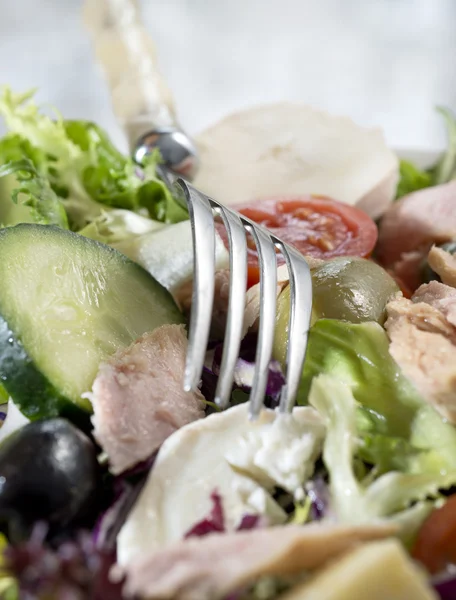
<point x="211" y="567"/>
<point x="444" y="264"/>
<point x="423" y="343"/>
<point x="416" y="222"/>
<point x="138" y="400"/>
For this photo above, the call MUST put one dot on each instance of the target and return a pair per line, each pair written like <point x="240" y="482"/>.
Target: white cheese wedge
<point x="195" y="461"/>
<point x="377" y="571"/>
<point x="289" y="149"/>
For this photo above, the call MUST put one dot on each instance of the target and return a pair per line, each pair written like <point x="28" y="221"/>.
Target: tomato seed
<point x="302" y="213"/>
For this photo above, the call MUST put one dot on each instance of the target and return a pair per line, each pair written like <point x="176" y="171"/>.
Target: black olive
<point x="48" y="472"/>
<point x="428" y="274"/>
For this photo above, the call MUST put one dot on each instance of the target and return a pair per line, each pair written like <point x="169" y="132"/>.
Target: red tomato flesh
<point x="315" y="225"/>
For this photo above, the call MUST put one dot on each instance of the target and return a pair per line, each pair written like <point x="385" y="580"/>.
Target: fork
<point x="127" y="55"/>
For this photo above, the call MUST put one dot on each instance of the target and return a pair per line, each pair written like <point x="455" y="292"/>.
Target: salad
<point x="114" y="482"/>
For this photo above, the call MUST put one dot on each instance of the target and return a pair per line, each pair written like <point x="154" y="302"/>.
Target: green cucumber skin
<point x="33" y="394"/>
<point x="32" y="390"/>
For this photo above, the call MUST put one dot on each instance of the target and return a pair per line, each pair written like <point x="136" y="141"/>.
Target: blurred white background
<point x="383" y="62"/>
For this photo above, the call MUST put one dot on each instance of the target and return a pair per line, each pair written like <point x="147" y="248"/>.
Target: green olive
<point x="348" y="289"/>
<point x="351" y="289"/>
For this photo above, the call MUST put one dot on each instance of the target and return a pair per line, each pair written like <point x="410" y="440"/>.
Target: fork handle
<point x="142" y="101"/>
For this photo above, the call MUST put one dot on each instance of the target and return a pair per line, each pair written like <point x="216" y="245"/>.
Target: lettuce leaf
<point x="445" y="169"/>
<point x="401" y="497"/>
<point x="412" y="179"/>
<point x="398" y="430"/>
<point x="34" y="191"/>
<point x="87" y="173"/>
<point x="118" y="225"/>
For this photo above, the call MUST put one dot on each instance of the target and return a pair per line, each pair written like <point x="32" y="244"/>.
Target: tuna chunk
<point x="417" y="221"/>
<point x="138" y="400"/>
<point x="444" y="264"/>
<point x="408" y="268"/>
<point x="423" y="343"/>
<point x="439" y="296"/>
<point x="211" y="567"/>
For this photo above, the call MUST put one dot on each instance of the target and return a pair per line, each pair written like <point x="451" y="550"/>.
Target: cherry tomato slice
<point x="317" y="226"/>
<point x="435" y="546"/>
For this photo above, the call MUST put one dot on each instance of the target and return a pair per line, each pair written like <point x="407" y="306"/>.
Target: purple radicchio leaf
<point x="75" y="570"/>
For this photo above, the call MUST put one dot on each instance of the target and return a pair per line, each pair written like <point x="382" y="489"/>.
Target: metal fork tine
<point x="236" y="303"/>
<point x="268" y="294"/>
<point x="203" y="234"/>
<point x="298" y="323"/>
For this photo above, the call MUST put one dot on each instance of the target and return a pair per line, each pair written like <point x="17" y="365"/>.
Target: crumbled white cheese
<point x="283" y="453"/>
<point x="197" y="460"/>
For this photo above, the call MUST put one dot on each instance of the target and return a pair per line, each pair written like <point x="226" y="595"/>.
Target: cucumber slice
<point x="67" y="303"/>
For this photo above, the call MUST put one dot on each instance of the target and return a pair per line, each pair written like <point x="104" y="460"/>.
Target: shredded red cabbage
<point x="445" y="585"/>
<point x="318" y="492"/>
<point x="215" y="522"/>
<point x="243" y="375"/>
<point x="126" y="489"/>
<point x="105" y="532"/>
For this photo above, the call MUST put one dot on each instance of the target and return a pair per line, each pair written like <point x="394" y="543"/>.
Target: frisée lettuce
<point x="356" y="500"/>
<point x="413" y="179"/>
<point x="74" y="165"/>
<point x="397" y="429"/>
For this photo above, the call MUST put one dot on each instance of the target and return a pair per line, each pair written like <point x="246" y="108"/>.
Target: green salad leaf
<point x="86" y="172"/>
<point x="445" y="169"/>
<point x="33" y="191"/>
<point x="398" y="430"/>
<point x="4" y="396"/>
<point x="400" y="497"/>
<point x="412" y="179"/>
<point x="118" y="225"/>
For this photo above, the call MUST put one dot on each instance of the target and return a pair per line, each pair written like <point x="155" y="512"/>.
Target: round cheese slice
<point x="290" y="149"/>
